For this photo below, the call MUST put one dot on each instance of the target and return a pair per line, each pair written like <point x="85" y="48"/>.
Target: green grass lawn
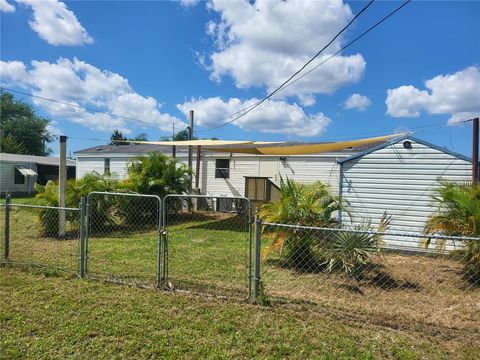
<point x="20" y="200"/>
<point x="46" y="317"/>
<point x="424" y="310"/>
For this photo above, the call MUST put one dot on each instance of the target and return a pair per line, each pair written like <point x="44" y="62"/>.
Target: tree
<point x="22" y="130"/>
<point x="181" y="136"/>
<point x="117" y="138"/>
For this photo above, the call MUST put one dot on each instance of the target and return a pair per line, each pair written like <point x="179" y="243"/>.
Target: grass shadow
<point x="238" y="223"/>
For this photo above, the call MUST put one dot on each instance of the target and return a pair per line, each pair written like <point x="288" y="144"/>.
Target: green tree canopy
<point x="118" y="138"/>
<point x="22" y="130"/>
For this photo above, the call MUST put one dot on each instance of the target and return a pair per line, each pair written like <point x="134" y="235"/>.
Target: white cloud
<point x="357" y="102"/>
<point x="53" y="128"/>
<point x="5" y="6"/>
<point x="79" y="83"/>
<point x="13" y="72"/>
<point x="188" y="3"/>
<point x="56" y="24"/>
<point x="456" y="94"/>
<point x="263" y="43"/>
<point x="273" y="116"/>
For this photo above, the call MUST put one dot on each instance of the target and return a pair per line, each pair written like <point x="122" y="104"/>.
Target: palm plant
<point x="157" y="174"/>
<point x="458" y="214"/>
<point x="301" y="204"/>
<point x="351" y="251"/>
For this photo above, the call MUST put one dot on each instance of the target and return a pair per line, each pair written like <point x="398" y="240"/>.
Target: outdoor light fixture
<point x="407" y="144"/>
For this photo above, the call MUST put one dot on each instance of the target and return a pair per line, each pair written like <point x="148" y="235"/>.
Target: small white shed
<point x="398" y="177"/>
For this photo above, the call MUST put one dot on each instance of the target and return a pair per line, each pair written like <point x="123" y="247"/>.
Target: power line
<point x="282" y="87"/>
<point x="350" y="43"/>
<point x="258" y="103"/>
<point x="85" y="108"/>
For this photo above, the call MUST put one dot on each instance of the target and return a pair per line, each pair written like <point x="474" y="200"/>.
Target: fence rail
<point x="214" y="245"/>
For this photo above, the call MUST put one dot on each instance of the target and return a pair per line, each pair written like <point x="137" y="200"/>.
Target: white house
<point x="20" y="173"/>
<point x="397" y="176"/>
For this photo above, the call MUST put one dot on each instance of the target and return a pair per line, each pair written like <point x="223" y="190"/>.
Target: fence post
<point x="7" y="226"/>
<point x="82" y="237"/>
<point x="256" y="259"/>
<point x="160" y="245"/>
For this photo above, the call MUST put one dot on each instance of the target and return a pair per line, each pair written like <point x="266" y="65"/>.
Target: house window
<point x="222" y="168"/>
<point x="106" y="166"/>
<point x="19" y="178"/>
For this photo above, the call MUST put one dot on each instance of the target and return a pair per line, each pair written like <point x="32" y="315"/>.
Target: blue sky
<point x="154" y="61"/>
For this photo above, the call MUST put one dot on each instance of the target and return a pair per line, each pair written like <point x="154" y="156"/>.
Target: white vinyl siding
<point x="88" y="165"/>
<point x="235" y="184"/>
<point x="401" y="182"/>
<point x="310" y="169"/>
<point x="118" y="165"/>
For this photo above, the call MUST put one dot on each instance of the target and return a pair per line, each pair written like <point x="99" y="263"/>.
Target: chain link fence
<point x="123" y="238"/>
<point x="208" y="245"/>
<point x="433" y="281"/>
<point x="33" y="237"/>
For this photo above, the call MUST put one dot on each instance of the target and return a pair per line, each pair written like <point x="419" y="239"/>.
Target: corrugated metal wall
<point x="400" y="181"/>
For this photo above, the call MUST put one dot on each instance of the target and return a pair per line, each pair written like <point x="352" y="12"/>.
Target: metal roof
<point x="41" y="160"/>
<point x="127" y="149"/>
<point x="402" y="138"/>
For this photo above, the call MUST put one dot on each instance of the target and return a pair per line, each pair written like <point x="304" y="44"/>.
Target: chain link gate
<point x="122" y="238"/>
<point x="207" y="245"/>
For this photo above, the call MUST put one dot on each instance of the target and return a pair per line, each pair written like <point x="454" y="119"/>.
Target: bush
<point x="351" y="252"/>
<point x="74" y="191"/>
<point x="458" y="214"/>
<point x="155" y="174"/>
<point x="300" y="204"/>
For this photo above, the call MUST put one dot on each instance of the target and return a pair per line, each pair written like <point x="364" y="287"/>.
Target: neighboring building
<point x="396" y="176"/>
<point x="20" y="173"/>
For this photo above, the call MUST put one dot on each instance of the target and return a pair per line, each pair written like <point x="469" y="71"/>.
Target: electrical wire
<point x="258" y="103"/>
<point x="85" y="108"/>
<point x="282" y="87"/>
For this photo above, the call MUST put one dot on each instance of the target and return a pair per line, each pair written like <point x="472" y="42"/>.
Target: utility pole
<point x="62" y="181"/>
<point x="475" y="153"/>
<point x="190" y="137"/>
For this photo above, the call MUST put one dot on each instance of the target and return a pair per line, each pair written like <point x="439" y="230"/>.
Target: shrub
<point x="75" y="189"/>
<point x="300" y="204"/>
<point x="155" y="174"/>
<point x="458" y="214"/>
<point x="351" y="252"/>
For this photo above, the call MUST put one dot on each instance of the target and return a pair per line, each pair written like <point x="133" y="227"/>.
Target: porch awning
<point x="272" y="148"/>
<point x="25" y="171"/>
